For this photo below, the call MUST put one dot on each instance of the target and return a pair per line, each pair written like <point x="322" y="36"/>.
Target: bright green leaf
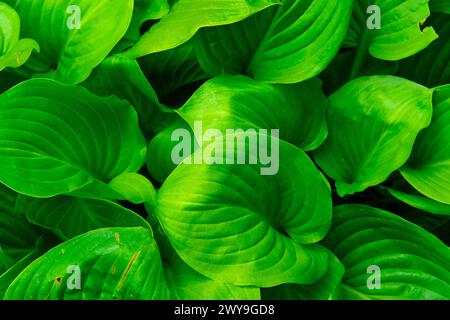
<point x="410" y="262"/>
<point x="74" y="37"/>
<point x="43" y="244"/>
<point x="283" y="44"/>
<point x="187" y="284"/>
<point x="319" y="290"/>
<point x="186" y="17"/>
<point x="373" y="123"/>
<point x="428" y="169"/>
<point x="421" y="202"/>
<point x="161" y="148"/>
<point x="125" y="261"/>
<point x="14" y="52"/>
<point x="134" y="187"/>
<point x="225" y="223"/>
<point x="399" y="34"/>
<point x="56" y="138"/>
<point x="298" y="111"/>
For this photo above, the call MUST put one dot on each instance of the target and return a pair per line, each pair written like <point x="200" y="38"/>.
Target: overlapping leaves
<point x="231" y="90"/>
<point x="373" y="124"/>
<point x="73" y="38"/>
<point x="55" y="146"/>
<point x="289" y="43"/>
<point x="14" y="51"/>
<point x="414" y="264"/>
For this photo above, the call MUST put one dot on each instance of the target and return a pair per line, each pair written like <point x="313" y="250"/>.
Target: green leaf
<point x="18" y="237"/>
<point x="298" y="111"/>
<point x="134" y="187"/>
<point x="145" y="10"/>
<point x="124" y="79"/>
<point x="172" y="70"/>
<point x="14" y="52"/>
<point x="19" y="54"/>
<point x="319" y="290"/>
<point x="428" y="169"/>
<point x="225" y="223"/>
<point x="56" y="138"/>
<point x="20" y="241"/>
<point x="187" y="284"/>
<point x="440" y="6"/>
<point x="421" y="202"/>
<point x="399" y="35"/>
<point x="413" y="264"/>
<point x="125" y="261"/>
<point x="11" y="273"/>
<point x="373" y="122"/>
<point x="69" y="217"/>
<point x="186" y="17"/>
<point x="431" y="67"/>
<point x="9" y="27"/>
<point x="44" y="243"/>
<point x="74" y="37"/>
<point x="161" y="148"/>
<point x="283" y="44"/>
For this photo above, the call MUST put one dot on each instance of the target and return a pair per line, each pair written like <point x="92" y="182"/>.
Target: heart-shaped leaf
<point x="387" y="257"/>
<point x="284" y="44"/>
<point x="428" y="169"/>
<point x="187" y="284"/>
<point x="74" y="37"/>
<point x="227" y="225"/>
<point x="373" y="122"/>
<point x="237" y="102"/>
<point x="57" y="138"/>
<point x="125" y="261"/>
<point x="186" y="17"/>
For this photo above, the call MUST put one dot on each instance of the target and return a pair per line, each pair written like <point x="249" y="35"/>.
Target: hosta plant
<point x="210" y="149"/>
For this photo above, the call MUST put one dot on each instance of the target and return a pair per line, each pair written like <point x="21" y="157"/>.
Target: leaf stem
<point x="361" y="55"/>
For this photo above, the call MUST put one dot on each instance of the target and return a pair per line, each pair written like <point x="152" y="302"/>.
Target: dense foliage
<point x="353" y="97"/>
